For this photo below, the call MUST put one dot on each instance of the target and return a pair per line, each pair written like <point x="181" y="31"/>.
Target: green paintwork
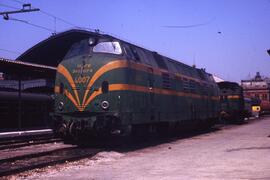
<point x="131" y="107"/>
<point x="233" y="107"/>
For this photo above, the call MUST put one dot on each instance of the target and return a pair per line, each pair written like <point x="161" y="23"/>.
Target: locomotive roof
<point x="53" y="49"/>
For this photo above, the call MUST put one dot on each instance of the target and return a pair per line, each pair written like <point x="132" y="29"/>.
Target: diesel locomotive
<point x="232" y="102"/>
<point x="106" y="86"/>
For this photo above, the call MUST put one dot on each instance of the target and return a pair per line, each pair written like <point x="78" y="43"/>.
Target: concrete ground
<point x="239" y="152"/>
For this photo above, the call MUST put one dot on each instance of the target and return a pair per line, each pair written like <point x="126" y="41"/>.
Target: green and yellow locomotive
<point x="232" y="102"/>
<point x="105" y="86"/>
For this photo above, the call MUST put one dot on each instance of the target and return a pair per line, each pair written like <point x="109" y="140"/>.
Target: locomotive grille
<point x="166" y="82"/>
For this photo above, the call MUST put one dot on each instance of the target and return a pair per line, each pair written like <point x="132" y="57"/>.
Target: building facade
<point x="257" y="87"/>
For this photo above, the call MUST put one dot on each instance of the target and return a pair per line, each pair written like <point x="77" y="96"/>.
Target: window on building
<point x="264" y="97"/>
<point x="257" y="96"/>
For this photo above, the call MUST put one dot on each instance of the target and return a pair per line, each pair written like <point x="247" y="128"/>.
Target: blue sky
<point x="231" y="43"/>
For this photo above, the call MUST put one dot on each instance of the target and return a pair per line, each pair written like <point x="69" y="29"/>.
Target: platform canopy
<point x="52" y="50"/>
<point x="26" y="69"/>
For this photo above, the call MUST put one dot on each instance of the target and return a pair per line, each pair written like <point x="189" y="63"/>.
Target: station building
<point x="257" y="88"/>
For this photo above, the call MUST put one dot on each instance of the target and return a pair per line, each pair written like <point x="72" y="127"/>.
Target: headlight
<point x="60" y="106"/>
<point x="105" y="105"/>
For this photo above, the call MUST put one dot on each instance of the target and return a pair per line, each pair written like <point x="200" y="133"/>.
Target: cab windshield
<point x="108" y="47"/>
<point x="83" y="47"/>
<point x="77" y="49"/>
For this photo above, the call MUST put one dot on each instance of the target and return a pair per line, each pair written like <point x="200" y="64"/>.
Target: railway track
<point x="19" y="157"/>
<point x="16" y="143"/>
<point x="15" y="139"/>
<point x="23" y="162"/>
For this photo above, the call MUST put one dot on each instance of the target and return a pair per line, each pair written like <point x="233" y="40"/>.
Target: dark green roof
<point x="52" y="50"/>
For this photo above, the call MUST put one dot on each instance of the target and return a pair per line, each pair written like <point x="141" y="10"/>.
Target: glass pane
<point x="108" y="47"/>
<point x="77" y="49"/>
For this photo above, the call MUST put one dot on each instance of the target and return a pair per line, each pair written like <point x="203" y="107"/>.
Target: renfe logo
<point x="82" y="68"/>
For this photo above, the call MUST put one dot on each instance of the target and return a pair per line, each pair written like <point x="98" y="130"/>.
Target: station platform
<point x="17" y="134"/>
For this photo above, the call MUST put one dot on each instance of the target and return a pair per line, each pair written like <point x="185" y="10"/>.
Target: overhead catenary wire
<point x="10" y="51"/>
<point x="20" y="2"/>
<point x="54" y="17"/>
<point x="60" y="19"/>
<point x="190" y="26"/>
<point x="8" y="6"/>
<point x="24" y="21"/>
<point x="32" y="24"/>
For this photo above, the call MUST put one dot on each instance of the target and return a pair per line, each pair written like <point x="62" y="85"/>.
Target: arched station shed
<point x="52" y="50"/>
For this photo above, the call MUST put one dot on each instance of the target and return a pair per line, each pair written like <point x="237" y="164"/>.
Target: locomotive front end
<point x="87" y="100"/>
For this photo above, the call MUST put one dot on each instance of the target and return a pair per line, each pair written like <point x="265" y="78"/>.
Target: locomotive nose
<point x="71" y="83"/>
<point x="78" y="81"/>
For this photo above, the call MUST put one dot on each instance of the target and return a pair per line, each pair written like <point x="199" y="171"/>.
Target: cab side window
<point x="77" y="49"/>
<point x="146" y="57"/>
<point x="160" y="61"/>
<point x="128" y="51"/>
<point x="135" y="54"/>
